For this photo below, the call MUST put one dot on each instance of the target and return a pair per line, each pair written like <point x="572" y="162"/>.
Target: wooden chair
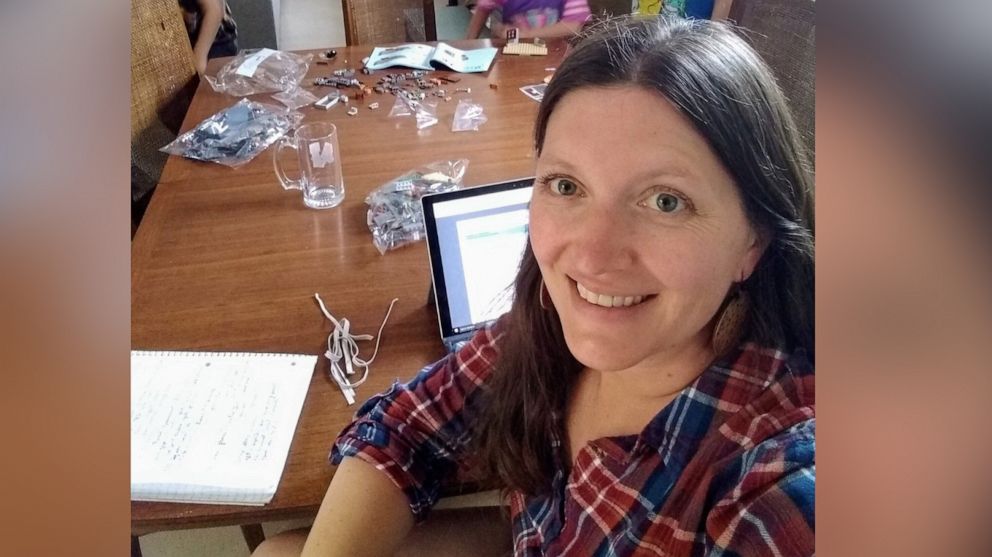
<point x="163" y="80"/>
<point x="784" y="33"/>
<point x="371" y="22"/>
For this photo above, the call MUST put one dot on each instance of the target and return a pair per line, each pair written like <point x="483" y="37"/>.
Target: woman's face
<point x="637" y="228"/>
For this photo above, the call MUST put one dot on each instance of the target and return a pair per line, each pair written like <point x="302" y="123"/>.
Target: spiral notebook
<point x="213" y="427"/>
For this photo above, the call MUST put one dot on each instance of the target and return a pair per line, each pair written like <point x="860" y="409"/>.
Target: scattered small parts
<point x="330" y="100"/>
<point x="353" y="111"/>
<point x="414" y="85"/>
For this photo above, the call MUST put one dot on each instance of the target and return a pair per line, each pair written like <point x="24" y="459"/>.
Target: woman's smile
<point x="608" y="300"/>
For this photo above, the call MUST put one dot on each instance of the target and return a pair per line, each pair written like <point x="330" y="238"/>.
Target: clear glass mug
<point x="316" y="146"/>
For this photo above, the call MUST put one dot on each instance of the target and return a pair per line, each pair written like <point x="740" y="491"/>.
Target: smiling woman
<point x="655" y="375"/>
<point x="650" y="391"/>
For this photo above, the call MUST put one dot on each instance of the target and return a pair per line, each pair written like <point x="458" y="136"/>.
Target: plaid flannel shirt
<point x="726" y="469"/>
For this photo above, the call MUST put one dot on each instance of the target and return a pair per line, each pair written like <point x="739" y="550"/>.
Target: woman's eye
<point x="564" y="186"/>
<point x="669" y="203"/>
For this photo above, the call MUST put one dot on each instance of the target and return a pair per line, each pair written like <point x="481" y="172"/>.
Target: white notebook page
<point x="212" y="427"/>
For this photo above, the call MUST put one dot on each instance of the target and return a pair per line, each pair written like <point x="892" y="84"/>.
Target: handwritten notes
<point x="213" y="427"/>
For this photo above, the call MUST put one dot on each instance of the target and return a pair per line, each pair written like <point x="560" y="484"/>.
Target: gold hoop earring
<point x="730" y="324"/>
<point x="540" y="296"/>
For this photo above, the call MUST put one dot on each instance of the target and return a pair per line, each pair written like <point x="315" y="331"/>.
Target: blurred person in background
<point x="697" y="9"/>
<point x="211" y="28"/>
<point x="529" y="18"/>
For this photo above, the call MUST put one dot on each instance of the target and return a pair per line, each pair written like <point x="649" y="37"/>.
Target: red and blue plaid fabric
<point x="726" y="469"/>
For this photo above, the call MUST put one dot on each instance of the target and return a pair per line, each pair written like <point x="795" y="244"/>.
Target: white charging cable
<point x="342" y="347"/>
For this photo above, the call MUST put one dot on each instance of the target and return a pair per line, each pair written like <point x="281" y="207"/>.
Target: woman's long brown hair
<point x="713" y="77"/>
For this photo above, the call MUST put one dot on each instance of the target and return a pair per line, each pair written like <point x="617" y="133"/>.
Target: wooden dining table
<point x="227" y="260"/>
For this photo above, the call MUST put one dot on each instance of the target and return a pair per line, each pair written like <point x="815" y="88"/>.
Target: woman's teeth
<point x="607" y="301"/>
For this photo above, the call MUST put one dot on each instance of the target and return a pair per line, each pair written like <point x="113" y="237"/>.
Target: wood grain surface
<point x="226" y="260"/>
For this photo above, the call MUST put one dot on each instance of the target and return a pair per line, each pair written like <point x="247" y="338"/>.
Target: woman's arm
<point x="393" y="459"/>
<point x="211" y="15"/>
<point x="363" y="515"/>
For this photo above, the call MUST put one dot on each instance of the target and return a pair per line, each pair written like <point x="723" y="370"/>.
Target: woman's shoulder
<point x="769" y="477"/>
<point x="772" y="487"/>
<point x="769" y="393"/>
<point x="773" y="376"/>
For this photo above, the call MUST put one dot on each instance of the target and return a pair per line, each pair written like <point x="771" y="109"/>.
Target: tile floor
<point x="304" y="24"/>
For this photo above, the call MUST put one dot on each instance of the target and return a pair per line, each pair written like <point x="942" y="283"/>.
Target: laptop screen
<point x="475" y="239"/>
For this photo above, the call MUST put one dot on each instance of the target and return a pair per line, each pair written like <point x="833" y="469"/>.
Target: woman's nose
<point x="602" y="243"/>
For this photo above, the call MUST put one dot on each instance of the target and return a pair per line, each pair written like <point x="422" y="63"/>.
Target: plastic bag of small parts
<point x="296" y="97"/>
<point x="468" y="116"/>
<point x="236" y="134"/>
<point x="425" y="110"/>
<point x="261" y="71"/>
<point x="395" y="217"/>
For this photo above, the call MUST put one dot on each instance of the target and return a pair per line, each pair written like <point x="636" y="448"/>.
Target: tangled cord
<point x="342" y="347"/>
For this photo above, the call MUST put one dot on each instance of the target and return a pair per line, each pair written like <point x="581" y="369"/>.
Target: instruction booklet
<point x="427" y="57"/>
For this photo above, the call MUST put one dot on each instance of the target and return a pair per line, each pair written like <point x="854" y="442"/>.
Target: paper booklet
<point x="426" y="57"/>
<point x="211" y="427"/>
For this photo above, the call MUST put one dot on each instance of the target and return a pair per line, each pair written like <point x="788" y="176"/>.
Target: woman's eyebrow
<point x="665" y="170"/>
<point x="551" y="160"/>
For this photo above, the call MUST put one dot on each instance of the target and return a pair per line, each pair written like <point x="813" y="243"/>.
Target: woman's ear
<point x="758" y="243"/>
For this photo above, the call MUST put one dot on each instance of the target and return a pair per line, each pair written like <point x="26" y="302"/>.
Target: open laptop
<point x="475" y="239"/>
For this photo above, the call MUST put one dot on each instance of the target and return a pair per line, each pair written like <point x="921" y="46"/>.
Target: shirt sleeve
<point x="575" y="10"/>
<point x="417" y="432"/>
<point x="770" y="508"/>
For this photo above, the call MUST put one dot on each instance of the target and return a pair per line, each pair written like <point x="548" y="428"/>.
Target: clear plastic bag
<point x="261" y="70"/>
<point x="395" y="217"/>
<point x="401" y="107"/>
<point x="425" y="110"/>
<point x="296" y="97"/>
<point x="469" y="115"/>
<point x="236" y="134"/>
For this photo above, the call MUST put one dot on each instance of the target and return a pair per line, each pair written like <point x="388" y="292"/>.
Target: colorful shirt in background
<point x="696" y="9"/>
<point x="693" y="9"/>
<point x="726" y="469"/>
<point x="532" y="14"/>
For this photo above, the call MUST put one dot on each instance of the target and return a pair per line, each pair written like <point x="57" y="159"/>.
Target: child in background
<point x="211" y="30"/>
<point x="530" y="18"/>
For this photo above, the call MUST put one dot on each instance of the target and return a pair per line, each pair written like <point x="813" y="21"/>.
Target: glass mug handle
<point x="283" y="179"/>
